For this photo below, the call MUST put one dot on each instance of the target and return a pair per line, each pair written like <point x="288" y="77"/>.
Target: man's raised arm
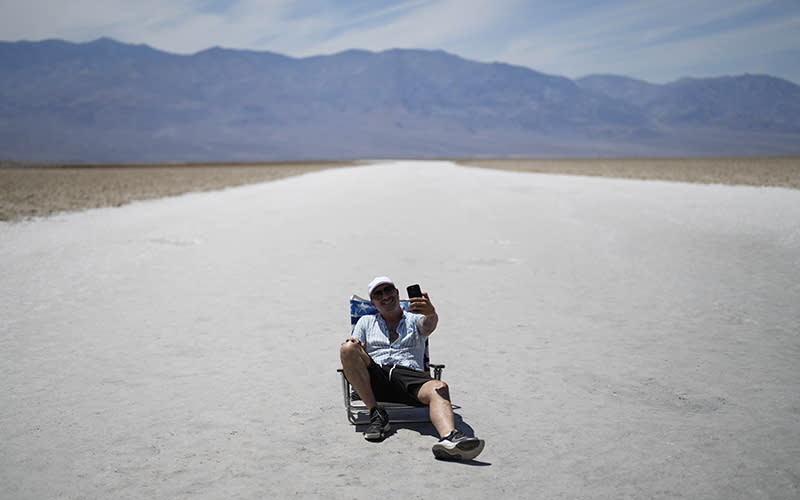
<point x="422" y="305"/>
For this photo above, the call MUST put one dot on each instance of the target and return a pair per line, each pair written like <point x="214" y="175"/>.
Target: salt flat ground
<point x="608" y="338"/>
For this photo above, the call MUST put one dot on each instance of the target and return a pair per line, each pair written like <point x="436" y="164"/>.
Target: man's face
<point x="385" y="298"/>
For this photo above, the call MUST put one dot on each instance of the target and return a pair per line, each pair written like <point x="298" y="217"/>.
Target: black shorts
<point x="396" y="384"/>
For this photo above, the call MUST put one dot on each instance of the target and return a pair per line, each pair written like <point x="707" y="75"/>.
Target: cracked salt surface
<point x="607" y="338"/>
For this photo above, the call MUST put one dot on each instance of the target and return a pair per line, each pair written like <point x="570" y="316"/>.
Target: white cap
<point x="380" y="280"/>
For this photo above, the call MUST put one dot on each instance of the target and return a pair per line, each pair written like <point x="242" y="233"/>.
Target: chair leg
<point x="348" y="404"/>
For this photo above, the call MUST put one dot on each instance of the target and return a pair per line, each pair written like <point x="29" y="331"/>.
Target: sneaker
<point x="457" y="446"/>
<point x="378" y="424"/>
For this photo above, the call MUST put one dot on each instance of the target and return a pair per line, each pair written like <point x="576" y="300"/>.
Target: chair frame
<point x="357" y="412"/>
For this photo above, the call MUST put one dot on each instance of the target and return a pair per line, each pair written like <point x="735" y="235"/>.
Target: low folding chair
<point x="357" y="412"/>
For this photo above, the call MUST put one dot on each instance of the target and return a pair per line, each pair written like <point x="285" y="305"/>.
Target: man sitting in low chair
<point x="384" y="360"/>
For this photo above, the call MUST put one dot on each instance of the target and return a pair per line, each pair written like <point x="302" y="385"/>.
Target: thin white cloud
<point x="186" y="31"/>
<point x="39" y="19"/>
<point x="176" y="26"/>
<point x="651" y="40"/>
<point x="707" y="55"/>
<point x="431" y="25"/>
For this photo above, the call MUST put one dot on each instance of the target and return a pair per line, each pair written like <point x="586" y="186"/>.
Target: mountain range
<point x="106" y="101"/>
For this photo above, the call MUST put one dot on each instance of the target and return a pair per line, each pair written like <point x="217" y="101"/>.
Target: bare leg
<point x="355" y="362"/>
<point x="436" y="395"/>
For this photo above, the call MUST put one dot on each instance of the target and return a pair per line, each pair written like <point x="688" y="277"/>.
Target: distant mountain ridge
<point x="743" y="102"/>
<point x="106" y="101"/>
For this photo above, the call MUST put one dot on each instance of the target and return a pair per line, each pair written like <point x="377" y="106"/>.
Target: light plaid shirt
<point x="409" y="348"/>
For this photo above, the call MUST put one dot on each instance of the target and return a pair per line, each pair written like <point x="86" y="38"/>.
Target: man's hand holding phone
<point x="418" y="301"/>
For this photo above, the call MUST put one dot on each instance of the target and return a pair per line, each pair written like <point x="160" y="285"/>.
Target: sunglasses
<point x="379" y="293"/>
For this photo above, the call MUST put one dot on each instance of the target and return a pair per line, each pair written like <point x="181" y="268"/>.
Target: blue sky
<point x="654" y="40"/>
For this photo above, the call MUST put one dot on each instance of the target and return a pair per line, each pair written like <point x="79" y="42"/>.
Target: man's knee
<point x="350" y="351"/>
<point x="436" y="388"/>
<point x="442" y="389"/>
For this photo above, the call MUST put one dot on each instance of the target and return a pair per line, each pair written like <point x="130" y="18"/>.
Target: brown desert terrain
<point x="41" y="191"/>
<point x="770" y="171"/>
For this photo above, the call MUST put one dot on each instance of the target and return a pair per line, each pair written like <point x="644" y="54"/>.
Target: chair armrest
<point x="437" y="370"/>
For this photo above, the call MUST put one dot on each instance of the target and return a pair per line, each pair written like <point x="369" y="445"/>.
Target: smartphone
<point x="414" y="291"/>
